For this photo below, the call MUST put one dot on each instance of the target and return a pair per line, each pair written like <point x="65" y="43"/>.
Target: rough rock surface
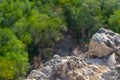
<point x="111" y="60"/>
<point x="104" y="42"/>
<point x="75" y="68"/>
<point x="61" y="68"/>
<point x="115" y="72"/>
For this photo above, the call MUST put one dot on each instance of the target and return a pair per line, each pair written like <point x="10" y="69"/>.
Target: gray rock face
<point x="63" y="68"/>
<point x="40" y="74"/>
<point x="112" y="74"/>
<point x="104" y="42"/>
<point x="117" y="69"/>
<point x="74" y="68"/>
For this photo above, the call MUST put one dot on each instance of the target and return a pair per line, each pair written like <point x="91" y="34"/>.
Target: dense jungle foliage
<point x="30" y="28"/>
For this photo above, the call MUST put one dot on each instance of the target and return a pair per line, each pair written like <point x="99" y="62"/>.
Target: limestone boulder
<point x="103" y="43"/>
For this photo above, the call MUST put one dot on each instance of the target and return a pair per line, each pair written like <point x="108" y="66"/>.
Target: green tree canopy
<point x="13" y="57"/>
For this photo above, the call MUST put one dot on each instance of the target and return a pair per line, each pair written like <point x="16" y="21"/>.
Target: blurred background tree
<point x="13" y="56"/>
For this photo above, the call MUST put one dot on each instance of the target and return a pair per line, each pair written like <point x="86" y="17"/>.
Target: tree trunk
<point x="38" y="57"/>
<point x="83" y="34"/>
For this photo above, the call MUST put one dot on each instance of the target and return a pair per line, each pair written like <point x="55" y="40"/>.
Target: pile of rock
<point x="102" y="63"/>
<point x="74" y="68"/>
<point x="62" y="68"/>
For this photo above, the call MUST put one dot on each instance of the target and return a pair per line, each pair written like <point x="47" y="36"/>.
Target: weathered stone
<point x="79" y="76"/>
<point x="103" y="43"/>
<point x="117" y="69"/>
<point x="56" y="57"/>
<point x="111" y="60"/>
<point x="93" y="67"/>
<point x="110" y="75"/>
<point x="99" y="50"/>
<point x="68" y="69"/>
<point x="71" y="65"/>
<point x="60" y="70"/>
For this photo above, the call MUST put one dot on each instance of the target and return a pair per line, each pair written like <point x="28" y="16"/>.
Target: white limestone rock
<point x="103" y="43"/>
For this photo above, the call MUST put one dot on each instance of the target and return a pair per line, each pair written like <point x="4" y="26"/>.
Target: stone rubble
<point x="74" y="68"/>
<point x="102" y="61"/>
